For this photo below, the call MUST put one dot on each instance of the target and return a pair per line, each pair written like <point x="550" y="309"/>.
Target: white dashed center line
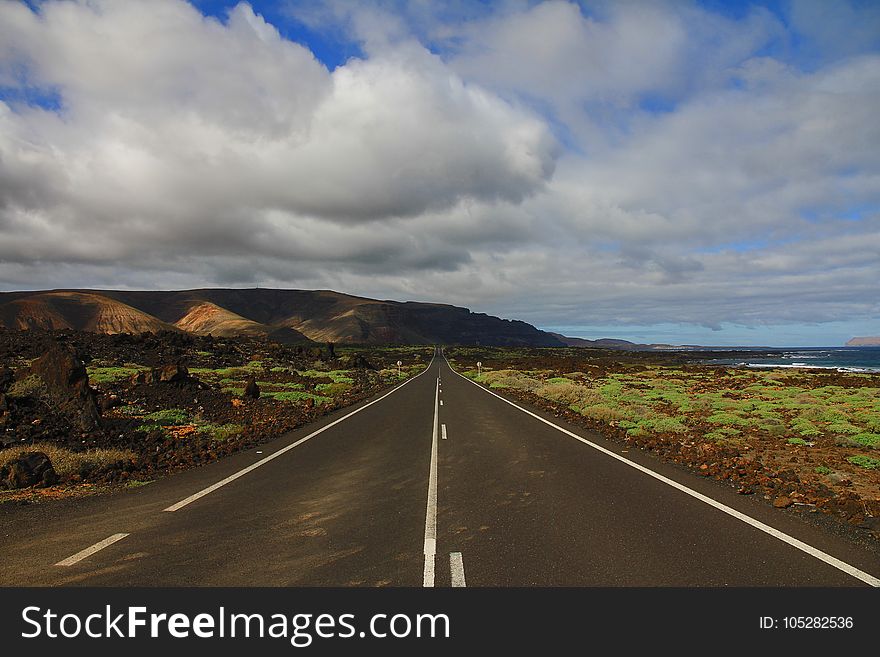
<point x="456" y="565"/>
<point x="89" y="551"/>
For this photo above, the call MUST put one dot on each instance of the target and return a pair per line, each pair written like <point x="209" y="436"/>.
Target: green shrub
<point x="296" y="395"/>
<point x="511" y="379"/>
<point x="110" y="374"/>
<point x="221" y="431"/>
<point x="804" y="427"/>
<point x="725" y="435"/>
<point x="31" y="386"/>
<point x="333" y="389"/>
<point x="67" y="462"/>
<point x="727" y="419"/>
<point x="565" y="391"/>
<point x="169" y="417"/>
<point x="865" y="462"/>
<point x="603" y="413"/>
<point x="843" y="428"/>
<point x="774" y="428"/>
<point x="669" y="425"/>
<point x="867" y="439"/>
<point x="337" y="376"/>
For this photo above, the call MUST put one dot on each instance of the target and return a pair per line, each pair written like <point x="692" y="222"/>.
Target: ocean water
<point x="844" y="359"/>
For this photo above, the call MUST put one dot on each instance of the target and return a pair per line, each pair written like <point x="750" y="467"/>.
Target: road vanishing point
<point x="437" y="482"/>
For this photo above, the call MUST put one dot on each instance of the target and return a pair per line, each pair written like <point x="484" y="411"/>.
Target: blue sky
<point x="695" y="172"/>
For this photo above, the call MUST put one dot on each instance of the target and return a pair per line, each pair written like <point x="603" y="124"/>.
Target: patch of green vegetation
<point x="31" y="386"/>
<point x="823" y="470"/>
<point x="138" y="483"/>
<point x="650" y="398"/>
<point x="869" y="419"/>
<point x="252" y="368"/>
<point x="287" y="386"/>
<point x="175" y="417"/>
<point x="296" y="395"/>
<point x="603" y="413"/>
<point x="67" y="462"/>
<point x="111" y="374"/>
<point x="220" y="431"/>
<point x="773" y="427"/>
<point x="147" y="428"/>
<point x="727" y="419"/>
<point x="669" y="425"/>
<point x="867" y="439"/>
<point x="169" y="417"/>
<point x="723" y="434"/>
<point x="129" y="410"/>
<point x="865" y="462"/>
<point x="612" y="390"/>
<point x="333" y="389"/>
<point x="843" y="428"/>
<point x="825" y="414"/>
<point x="337" y="376"/>
<point x="804" y="427"/>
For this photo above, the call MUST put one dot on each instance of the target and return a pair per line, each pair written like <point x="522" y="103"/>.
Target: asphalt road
<point x="437" y="482"/>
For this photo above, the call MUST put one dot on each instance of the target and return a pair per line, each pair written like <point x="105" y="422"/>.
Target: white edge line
<point x="456" y="565"/>
<point x="210" y="489"/>
<point x="757" y="524"/>
<point x="431" y="507"/>
<point x="89" y="551"/>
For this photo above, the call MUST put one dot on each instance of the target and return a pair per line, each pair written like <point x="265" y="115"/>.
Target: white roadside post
<point x="479" y="368"/>
<point x="398" y="368"/>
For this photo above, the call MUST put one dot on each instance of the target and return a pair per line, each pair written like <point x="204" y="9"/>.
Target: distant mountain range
<point x="291" y="316"/>
<point x="612" y="343"/>
<point x="868" y="341"/>
<point x="284" y="315"/>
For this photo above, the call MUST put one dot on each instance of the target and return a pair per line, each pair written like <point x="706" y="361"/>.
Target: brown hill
<point x="867" y="341"/>
<point x="207" y="318"/>
<point x="601" y="343"/>
<point x="288" y="315"/>
<point x="84" y="311"/>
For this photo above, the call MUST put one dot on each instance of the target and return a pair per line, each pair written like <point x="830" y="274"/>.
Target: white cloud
<point x="170" y="117"/>
<point x="190" y="151"/>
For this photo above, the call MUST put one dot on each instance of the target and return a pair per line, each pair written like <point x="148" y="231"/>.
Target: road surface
<point x="435" y="483"/>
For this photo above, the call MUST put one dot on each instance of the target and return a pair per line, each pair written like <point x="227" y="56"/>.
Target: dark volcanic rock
<point x="251" y="389"/>
<point x="164" y="374"/>
<point x="358" y="362"/>
<point x="7" y="376"/>
<point x="29" y="469"/>
<point x="782" y="502"/>
<point x="172" y="373"/>
<point x="67" y="383"/>
<point x="108" y="402"/>
<point x="142" y="377"/>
